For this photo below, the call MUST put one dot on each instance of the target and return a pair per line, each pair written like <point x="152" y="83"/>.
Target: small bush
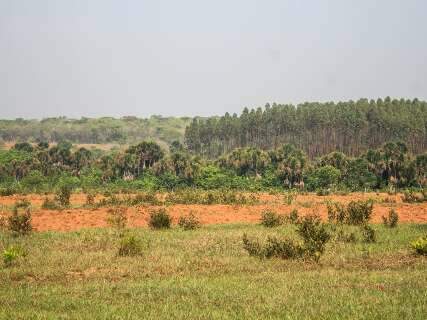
<point x="20" y="220"/>
<point x="11" y="254"/>
<point x="90" y="198"/>
<point x="289" y="197"/>
<point x="410" y="196"/>
<point x="392" y="219"/>
<point x="118" y="218"/>
<point x="271" y="219"/>
<point x="273" y="248"/>
<point x="343" y="236"/>
<point x="189" y="222"/>
<point x="63" y="195"/>
<point x="359" y="212"/>
<point x="130" y="246"/>
<point x="160" y="219"/>
<point x="8" y="191"/>
<point x="315" y="236"/>
<point x="368" y="234"/>
<point x="355" y="213"/>
<point x="323" y="192"/>
<point x="420" y="245"/>
<point x="293" y="216"/>
<point x="50" y="204"/>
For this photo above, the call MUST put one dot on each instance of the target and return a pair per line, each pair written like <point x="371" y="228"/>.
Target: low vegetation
<point x="159" y="219"/>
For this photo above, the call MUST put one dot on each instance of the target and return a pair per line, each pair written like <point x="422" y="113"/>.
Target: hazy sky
<point x="195" y="57"/>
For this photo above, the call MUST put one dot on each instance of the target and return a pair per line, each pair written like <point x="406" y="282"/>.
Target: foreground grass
<point x="205" y="274"/>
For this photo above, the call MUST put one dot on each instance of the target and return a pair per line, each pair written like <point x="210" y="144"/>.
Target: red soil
<point x="74" y="219"/>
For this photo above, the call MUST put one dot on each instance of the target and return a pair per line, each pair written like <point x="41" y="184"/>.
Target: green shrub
<point x="130" y="246"/>
<point x="117" y="218"/>
<point x="272" y="248"/>
<point x="359" y="212"/>
<point x="189" y="222"/>
<point x="90" y="198"/>
<point x="344" y="236"/>
<point x="20" y="220"/>
<point x="8" y="191"/>
<point x="50" y="204"/>
<point x="368" y="234"/>
<point x="271" y="219"/>
<point x="355" y="213"/>
<point x="293" y="216"/>
<point x="289" y="197"/>
<point x="11" y="254"/>
<point x="315" y="236"/>
<point x="392" y="219"/>
<point x="411" y="196"/>
<point x="323" y="192"/>
<point x="336" y="212"/>
<point x="63" y="195"/>
<point x="160" y="219"/>
<point x="420" y="245"/>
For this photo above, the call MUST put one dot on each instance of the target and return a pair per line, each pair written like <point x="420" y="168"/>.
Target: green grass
<point x="206" y="274"/>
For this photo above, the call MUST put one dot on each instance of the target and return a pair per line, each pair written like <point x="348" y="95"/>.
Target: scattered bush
<point x="63" y="195"/>
<point x="312" y="231"/>
<point x="411" y="196"/>
<point x="359" y="212"/>
<point x="20" y="220"/>
<point x="160" y="219"/>
<point x="355" y="213"/>
<point x="90" y="198"/>
<point x="289" y="197"/>
<point x="271" y="219"/>
<point x="343" y="236"/>
<point x="189" y="222"/>
<point x="420" y="245"/>
<point x="392" y="219"/>
<point x="323" y="192"/>
<point x="293" y="216"/>
<point x="368" y="234"/>
<point x="274" y="247"/>
<point x="8" y="191"/>
<point x="314" y="235"/>
<point x="50" y="204"/>
<point x="130" y="246"/>
<point x="11" y="254"/>
<point x="118" y="218"/>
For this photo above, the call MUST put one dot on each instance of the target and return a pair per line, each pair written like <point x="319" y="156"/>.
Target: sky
<point x="97" y="58"/>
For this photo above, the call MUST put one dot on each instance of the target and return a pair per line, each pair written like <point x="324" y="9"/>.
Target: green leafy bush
<point x="50" y="204"/>
<point x="314" y="234"/>
<point x="392" y="219"/>
<point x="63" y="195"/>
<point x="130" y="246"/>
<point x="160" y="219"/>
<point x="359" y="212"/>
<point x="355" y="213"/>
<point x="271" y="219"/>
<point x="411" y="196"/>
<point x="420" y="245"/>
<point x="293" y="216"/>
<point x="117" y="218"/>
<point x="368" y="233"/>
<point x="273" y="248"/>
<point x="189" y="222"/>
<point x="12" y="253"/>
<point x="20" y="220"/>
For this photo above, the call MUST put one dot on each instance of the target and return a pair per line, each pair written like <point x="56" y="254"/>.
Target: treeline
<point x="42" y="168"/>
<point x="317" y="128"/>
<point x="97" y="131"/>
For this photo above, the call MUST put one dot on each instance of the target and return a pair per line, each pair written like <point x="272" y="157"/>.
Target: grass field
<point x="206" y="274"/>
